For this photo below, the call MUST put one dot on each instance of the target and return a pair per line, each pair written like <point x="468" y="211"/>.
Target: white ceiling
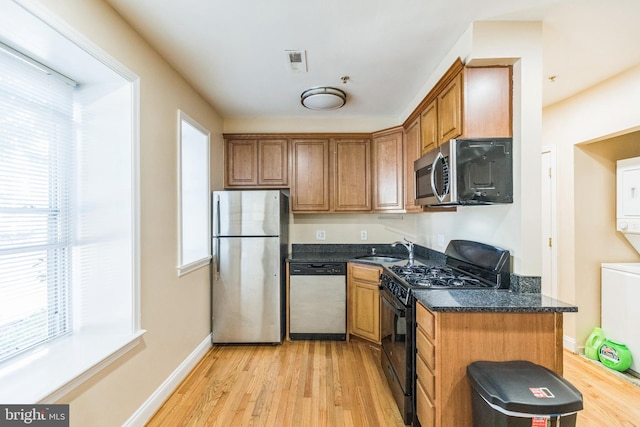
<point x="232" y="51"/>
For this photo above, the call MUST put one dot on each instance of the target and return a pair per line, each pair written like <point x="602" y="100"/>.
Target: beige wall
<point x="586" y="129"/>
<point x="345" y="228"/>
<point x="175" y="311"/>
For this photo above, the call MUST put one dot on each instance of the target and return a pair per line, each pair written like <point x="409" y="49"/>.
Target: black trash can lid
<point x="524" y="387"/>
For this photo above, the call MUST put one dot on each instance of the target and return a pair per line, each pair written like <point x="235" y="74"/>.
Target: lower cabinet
<point x="425" y="366"/>
<point x="447" y="342"/>
<point x="364" y="301"/>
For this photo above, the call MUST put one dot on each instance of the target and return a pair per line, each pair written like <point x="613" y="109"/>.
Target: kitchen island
<point x="457" y="327"/>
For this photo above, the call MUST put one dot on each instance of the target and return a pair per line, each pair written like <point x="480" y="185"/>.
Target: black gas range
<point x="469" y="265"/>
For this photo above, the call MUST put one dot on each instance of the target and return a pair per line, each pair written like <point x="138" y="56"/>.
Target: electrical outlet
<point x="320" y="235"/>
<point x="363" y="235"/>
<point x="441" y="240"/>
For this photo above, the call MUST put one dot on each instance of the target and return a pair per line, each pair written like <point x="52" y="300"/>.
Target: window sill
<point x="47" y="373"/>
<point x="188" y="268"/>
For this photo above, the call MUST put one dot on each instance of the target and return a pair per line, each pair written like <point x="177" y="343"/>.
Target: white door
<point x="548" y="206"/>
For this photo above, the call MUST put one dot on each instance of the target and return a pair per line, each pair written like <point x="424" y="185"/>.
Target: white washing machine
<point x="621" y="306"/>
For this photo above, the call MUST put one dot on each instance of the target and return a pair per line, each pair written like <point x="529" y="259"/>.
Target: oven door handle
<point x="397" y="311"/>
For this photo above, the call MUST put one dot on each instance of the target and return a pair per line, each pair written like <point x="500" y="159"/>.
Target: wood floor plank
<point x="341" y="384"/>
<point x="608" y="399"/>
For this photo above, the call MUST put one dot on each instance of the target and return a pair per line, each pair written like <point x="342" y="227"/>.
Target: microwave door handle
<point x="433" y="172"/>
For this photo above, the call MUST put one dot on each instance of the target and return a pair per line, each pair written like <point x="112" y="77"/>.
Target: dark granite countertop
<point x="496" y="301"/>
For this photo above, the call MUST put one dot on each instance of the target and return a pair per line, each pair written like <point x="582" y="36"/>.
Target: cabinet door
<point x="411" y="154"/>
<point x="310" y="186"/>
<point x="487" y="102"/>
<point x="388" y="192"/>
<point x="365" y="320"/>
<point x="352" y="175"/>
<point x="450" y="110"/>
<point x="429" y="127"/>
<point x="241" y="162"/>
<point x="273" y="163"/>
<point x="364" y="301"/>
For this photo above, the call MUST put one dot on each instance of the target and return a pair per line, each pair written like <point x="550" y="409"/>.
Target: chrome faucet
<point x="408" y="245"/>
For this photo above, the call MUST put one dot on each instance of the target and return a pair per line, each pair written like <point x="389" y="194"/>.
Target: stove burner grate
<point x="436" y="277"/>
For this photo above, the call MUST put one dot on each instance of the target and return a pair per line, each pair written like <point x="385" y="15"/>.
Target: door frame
<point x="550" y="230"/>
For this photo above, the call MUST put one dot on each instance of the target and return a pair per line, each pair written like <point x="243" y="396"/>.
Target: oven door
<point x="397" y="339"/>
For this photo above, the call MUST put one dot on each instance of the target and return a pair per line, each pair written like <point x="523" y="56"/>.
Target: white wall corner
<point x="157" y="398"/>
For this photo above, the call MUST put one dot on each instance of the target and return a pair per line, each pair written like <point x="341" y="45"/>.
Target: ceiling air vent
<point x="296" y="61"/>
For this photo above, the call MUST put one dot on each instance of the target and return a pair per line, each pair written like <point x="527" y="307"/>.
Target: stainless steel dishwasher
<point x="317" y="301"/>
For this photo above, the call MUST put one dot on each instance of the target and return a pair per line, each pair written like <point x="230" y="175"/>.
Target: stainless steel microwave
<point x="475" y="171"/>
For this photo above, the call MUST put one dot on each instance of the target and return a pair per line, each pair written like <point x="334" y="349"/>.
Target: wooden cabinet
<point x="331" y="175"/>
<point x="425" y="367"/>
<point x="256" y="163"/>
<point x="310" y="186"/>
<point x="364" y="301"/>
<point x="467" y="102"/>
<point x="241" y="160"/>
<point x="488" y="110"/>
<point x="412" y="151"/>
<point x="450" y="110"/>
<point x="352" y="175"/>
<point x="447" y="342"/>
<point x="388" y="194"/>
<point x="273" y="163"/>
<point x="429" y="127"/>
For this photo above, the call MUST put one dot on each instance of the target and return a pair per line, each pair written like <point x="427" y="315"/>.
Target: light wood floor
<point x="328" y="383"/>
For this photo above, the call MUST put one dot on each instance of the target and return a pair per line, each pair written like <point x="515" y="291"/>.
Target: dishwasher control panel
<point x="317" y="269"/>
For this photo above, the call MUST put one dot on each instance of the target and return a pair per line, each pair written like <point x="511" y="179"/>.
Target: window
<point x="195" y="234"/>
<point x="36" y="145"/>
<point x="69" y="216"/>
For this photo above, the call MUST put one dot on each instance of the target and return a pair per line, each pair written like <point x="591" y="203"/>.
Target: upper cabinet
<point x="467" y="102"/>
<point x="412" y="150"/>
<point x="429" y="138"/>
<point x="331" y="174"/>
<point x="352" y="175"/>
<point x="450" y="110"/>
<point x="388" y="194"/>
<point x="253" y="162"/>
<point x="488" y="111"/>
<point x="310" y="185"/>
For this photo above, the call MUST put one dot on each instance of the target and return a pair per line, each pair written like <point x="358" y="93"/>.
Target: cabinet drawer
<point x="425" y="349"/>
<point x="424" y="408"/>
<point x="426" y="378"/>
<point x="426" y="320"/>
<point x="365" y="274"/>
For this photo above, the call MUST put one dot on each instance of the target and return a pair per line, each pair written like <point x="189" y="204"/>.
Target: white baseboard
<point x="151" y="405"/>
<point x="570" y="344"/>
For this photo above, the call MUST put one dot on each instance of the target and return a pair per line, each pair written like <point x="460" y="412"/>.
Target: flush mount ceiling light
<point x="323" y="98"/>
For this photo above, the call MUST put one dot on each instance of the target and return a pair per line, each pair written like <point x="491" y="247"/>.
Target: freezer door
<point x="246" y="213"/>
<point x="246" y="295"/>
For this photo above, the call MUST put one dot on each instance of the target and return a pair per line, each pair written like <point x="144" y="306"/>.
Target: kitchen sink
<point x="379" y="258"/>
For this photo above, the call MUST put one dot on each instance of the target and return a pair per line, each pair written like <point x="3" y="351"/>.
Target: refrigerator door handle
<point x="217" y="263"/>
<point x="217" y="238"/>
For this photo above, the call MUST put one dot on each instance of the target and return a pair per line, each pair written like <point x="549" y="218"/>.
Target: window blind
<point x="36" y="189"/>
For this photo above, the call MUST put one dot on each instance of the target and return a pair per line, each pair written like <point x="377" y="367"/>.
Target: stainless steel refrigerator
<point x="250" y="243"/>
